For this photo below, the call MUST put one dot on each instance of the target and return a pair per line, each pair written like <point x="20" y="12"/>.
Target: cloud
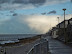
<point x="51" y="2"/>
<point x="20" y="4"/>
<point x="54" y="12"/>
<point x="37" y="2"/>
<point x="15" y="14"/>
<point x="4" y="19"/>
<point x="34" y="2"/>
<point x="21" y="1"/>
<point x="71" y="0"/>
<point x="25" y="24"/>
<point x="11" y="6"/>
<point x="66" y="17"/>
<point x="28" y="24"/>
<point x="4" y="1"/>
<point x="41" y="23"/>
<point x="43" y="13"/>
<point x="26" y="4"/>
<point x="15" y="26"/>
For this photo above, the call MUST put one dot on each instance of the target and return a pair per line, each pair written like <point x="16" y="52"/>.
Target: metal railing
<point x="40" y="48"/>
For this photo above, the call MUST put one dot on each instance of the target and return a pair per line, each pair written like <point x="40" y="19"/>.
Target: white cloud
<point x="41" y="23"/>
<point x="37" y="23"/>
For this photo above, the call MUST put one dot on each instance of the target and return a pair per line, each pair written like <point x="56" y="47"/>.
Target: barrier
<point x="40" y="48"/>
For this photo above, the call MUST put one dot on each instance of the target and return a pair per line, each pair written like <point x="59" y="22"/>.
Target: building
<point x="61" y="25"/>
<point x="69" y="30"/>
<point x="62" y="34"/>
<point x="54" y="32"/>
<point x="65" y="32"/>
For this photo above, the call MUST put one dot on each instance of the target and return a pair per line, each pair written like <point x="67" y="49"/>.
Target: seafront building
<point x="58" y="31"/>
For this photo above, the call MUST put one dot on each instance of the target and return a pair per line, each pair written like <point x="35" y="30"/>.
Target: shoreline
<point x="22" y="41"/>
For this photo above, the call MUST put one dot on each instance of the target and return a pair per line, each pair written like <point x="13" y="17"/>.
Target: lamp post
<point x="64" y="13"/>
<point x="64" y="26"/>
<point x="58" y="26"/>
<point x="58" y="20"/>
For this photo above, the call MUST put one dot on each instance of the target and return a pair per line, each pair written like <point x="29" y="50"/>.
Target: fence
<point x="40" y="48"/>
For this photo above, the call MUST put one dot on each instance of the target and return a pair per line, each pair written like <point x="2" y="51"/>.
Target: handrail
<point x="36" y="45"/>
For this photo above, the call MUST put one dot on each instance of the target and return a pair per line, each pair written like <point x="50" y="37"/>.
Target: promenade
<point x="22" y="49"/>
<point x="57" y="47"/>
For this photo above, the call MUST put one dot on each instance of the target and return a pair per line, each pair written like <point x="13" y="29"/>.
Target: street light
<point x="58" y="26"/>
<point x="64" y="26"/>
<point x="64" y="13"/>
<point x="58" y="20"/>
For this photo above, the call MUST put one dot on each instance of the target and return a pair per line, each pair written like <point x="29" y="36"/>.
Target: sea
<point x="11" y="38"/>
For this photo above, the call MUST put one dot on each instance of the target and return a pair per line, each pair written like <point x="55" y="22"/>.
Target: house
<point x="62" y="34"/>
<point x="61" y="25"/>
<point x="65" y="32"/>
<point x="69" y="30"/>
<point x="54" y="32"/>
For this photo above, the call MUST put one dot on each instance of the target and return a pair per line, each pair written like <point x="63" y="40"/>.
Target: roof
<point x="61" y="22"/>
<point x="70" y="19"/>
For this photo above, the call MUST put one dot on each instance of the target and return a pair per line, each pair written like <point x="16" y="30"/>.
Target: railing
<point x="40" y="48"/>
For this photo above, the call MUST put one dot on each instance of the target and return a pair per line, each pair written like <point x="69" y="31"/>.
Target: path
<point x="57" y="47"/>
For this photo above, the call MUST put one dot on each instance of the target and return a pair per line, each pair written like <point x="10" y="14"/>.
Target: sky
<point x="32" y="16"/>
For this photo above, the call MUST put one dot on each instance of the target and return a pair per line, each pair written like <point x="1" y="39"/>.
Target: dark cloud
<point x="4" y="1"/>
<point x="15" y="14"/>
<point x="43" y="13"/>
<point x="11" y="11"/>
<point x="40" y="2"/>
<point x="71" y="0"/>
<point x="26" y="4"/>
<point x="0" y="7"/>
<point x="54" y="12"/>
<point x="20" y="1"/>
<point x="34" y="2"/>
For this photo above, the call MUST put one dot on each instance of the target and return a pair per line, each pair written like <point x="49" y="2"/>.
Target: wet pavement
<point x="57" y="47"/>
